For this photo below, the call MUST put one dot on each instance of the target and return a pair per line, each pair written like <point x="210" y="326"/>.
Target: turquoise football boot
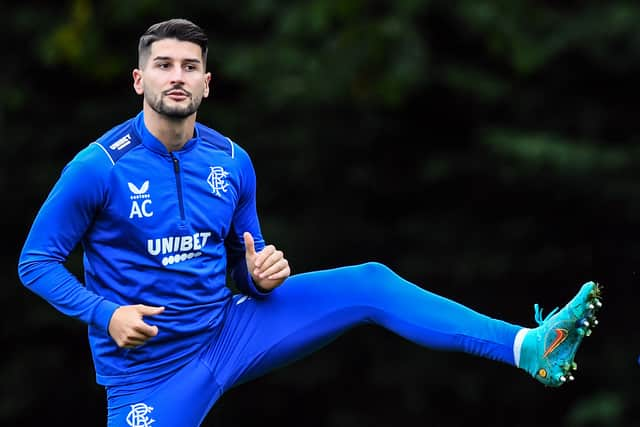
<point x="548" y="351"/>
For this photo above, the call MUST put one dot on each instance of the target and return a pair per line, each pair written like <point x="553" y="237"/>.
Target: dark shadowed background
<point x="485" y="150"/>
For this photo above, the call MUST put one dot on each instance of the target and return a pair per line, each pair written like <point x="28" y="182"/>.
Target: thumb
<point x="248" y="243"/>
<point x="147" y="310"/>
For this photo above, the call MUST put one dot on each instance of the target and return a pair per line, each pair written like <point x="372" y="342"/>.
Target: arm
<point x="58" y="227"/>
<point x="255" y="268"/>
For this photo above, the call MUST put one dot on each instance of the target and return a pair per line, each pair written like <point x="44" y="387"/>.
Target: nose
<point x="177" y="75"/>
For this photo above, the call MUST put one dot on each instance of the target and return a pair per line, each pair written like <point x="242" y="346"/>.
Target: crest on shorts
<point x="138" y="416"/>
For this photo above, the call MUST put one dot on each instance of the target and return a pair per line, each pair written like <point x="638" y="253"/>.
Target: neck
<point x="173" y="133"/>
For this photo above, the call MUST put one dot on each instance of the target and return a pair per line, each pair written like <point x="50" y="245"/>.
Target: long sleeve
<point x="57" y="229"/>
<point x="245" y="218"/>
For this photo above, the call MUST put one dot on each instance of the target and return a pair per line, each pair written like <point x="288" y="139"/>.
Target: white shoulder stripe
<point x="233" y="148"/>
<point x="105" y="152"/>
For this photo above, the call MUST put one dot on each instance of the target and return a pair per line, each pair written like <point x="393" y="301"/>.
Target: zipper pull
<point x="176" y="163"/>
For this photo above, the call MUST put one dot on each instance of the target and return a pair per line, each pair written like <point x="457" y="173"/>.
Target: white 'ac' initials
<point x="140" y="210"/>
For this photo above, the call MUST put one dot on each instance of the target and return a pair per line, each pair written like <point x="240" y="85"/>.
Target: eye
<point x="163" y="65"/>
<point x="190" y="67"/>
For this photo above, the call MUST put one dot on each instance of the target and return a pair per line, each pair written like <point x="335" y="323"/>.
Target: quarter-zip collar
<point x="154" y="144"/>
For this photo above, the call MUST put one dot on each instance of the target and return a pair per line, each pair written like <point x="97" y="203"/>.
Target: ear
<point x="207" y="85"/>
<point x="137" y="81"/>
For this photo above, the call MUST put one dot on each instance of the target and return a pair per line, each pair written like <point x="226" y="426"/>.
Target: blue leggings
<point x="307" y="312"/>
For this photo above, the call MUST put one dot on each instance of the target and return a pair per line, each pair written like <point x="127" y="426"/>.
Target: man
<point x="164" y="205"/>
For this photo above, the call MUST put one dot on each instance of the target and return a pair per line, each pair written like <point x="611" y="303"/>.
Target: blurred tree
<point x="485" y="149"/>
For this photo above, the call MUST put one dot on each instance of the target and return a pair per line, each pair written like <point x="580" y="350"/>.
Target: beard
<point x="158" y="104"/>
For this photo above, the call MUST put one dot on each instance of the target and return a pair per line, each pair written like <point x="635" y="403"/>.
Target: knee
<point x="374" y="269"/>
<point x="375" y="282"/>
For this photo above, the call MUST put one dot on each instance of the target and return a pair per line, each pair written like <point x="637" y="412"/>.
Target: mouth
<point x="177" y="95"/>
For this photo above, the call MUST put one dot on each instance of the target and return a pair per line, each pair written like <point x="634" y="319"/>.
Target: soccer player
<point x="164" y="206"/>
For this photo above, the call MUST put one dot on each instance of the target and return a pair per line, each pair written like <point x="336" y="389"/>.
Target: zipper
<point x="176" y="171"/>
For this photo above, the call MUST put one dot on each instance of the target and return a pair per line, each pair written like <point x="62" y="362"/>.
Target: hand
<point x="268" y="267"/>
<point x="128" y="329"/>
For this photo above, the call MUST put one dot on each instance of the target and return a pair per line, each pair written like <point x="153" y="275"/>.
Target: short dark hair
<point x="180" y="29"/>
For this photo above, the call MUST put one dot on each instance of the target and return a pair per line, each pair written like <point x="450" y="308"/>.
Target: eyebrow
<point x="168" y="58"/>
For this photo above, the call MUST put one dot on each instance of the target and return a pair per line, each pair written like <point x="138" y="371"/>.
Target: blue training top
<point x="157" y="228"/>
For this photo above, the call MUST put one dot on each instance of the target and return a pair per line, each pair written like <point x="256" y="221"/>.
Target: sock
<point x="517" y="344"/>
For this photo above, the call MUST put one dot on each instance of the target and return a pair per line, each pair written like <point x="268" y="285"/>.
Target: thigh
<point x="182" y="400"/>
<point x="306" y="313"/>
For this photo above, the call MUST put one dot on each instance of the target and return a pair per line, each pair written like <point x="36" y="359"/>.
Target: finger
<point x="148" y="310"/>
<point x="264" y="254"/>
<point x="134" y="342"/>
<point x="272" y="264"/>
<point x="280" y="274"/>
<point x="132" y="345"/>
<point x="271" y="257"/>
<point x="249" y="244"/>
<point x="131" y="339"/>
<point x="146" y="330"/>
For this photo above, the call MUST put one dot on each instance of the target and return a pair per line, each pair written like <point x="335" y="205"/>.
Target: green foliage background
<point x="485" y="150"/>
